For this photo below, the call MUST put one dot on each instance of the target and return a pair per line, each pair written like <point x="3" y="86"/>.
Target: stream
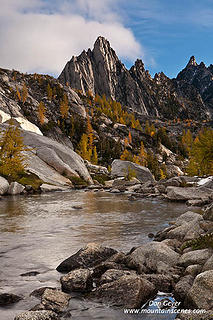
<point x="38" y="232"/>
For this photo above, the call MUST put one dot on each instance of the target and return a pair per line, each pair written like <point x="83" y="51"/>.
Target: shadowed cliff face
<point x="200" y="78"/>
<point x="101" y="72"/>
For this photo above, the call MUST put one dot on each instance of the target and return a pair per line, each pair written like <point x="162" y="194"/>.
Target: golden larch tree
<point x="49" y="92"/>
<point x="41" y="112"/>
<point x="64" y="107"/>
<point x="24" y="93"/>
<point x="12" y="159"/>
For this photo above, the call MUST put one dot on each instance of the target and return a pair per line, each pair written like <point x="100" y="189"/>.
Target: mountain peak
<point x="192" y="62"/>
<point x="101" y="43"/>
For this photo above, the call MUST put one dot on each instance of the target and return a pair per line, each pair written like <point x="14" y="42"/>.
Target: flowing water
<point x="38" y="232"/>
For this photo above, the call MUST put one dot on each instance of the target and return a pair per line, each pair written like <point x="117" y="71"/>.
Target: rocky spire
<point x="102" y="44"/>
<point x="192" y="62"/>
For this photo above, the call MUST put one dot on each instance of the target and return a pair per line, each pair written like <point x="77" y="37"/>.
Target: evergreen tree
<point x="153" y="165"/>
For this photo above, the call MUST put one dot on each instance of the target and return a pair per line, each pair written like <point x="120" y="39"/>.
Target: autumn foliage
<point x="12" y="159"/>
<point x="41" y="112"/>
<point x="201" y="154"/>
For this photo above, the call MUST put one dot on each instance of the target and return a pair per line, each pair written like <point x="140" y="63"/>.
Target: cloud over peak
<point x="40" y="36"/>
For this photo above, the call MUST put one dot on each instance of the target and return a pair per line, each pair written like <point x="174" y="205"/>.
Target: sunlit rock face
<point x="28" y="126"/>
<point x="21" y="122"/>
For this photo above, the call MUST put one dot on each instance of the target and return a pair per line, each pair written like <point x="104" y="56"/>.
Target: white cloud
<point x="36" y="39"/>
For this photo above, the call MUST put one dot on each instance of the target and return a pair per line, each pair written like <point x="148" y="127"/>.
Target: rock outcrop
<point x="122" y="168"/>
<point x="52" y="161"/>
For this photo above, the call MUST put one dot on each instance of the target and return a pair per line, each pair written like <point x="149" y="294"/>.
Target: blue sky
<point x="42" y="35"/>
<point x="172" y="31"/>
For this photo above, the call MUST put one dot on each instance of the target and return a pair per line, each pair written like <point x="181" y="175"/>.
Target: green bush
<point x="202" y="242"/>
<point x="31" y="180"/>
<point x="78" y="181"/>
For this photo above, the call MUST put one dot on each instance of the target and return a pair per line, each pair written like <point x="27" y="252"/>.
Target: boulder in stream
<point x="195" y="257"/>
<point x="200" y="296"/>
<point x="4" y="185"/>
<point x="77" y="280"/>
<point x="184" y="194"/>
<point x="129" y="291"/>
<point x="15" y="188"/>
<point x="154" y="256"/>
<point x="120" y="168"/>
<point x="87" y="257"/>
<point x="8" y="298"/>
<point x="55" y="300"/>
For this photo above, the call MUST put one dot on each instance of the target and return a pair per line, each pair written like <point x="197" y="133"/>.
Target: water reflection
<point x="12" y="206"/>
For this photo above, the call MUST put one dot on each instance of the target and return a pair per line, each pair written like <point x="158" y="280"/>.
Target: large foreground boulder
<point x="15" y="188"/>
<point x="130" y="291"/>
<point x="195" y="257"/>
<point x="77" y="280"/>
<point x="4" y="185"/>
<point x="86" y="257"/>
<point x="121" y="168"/>
<point x="186" y="227"/>
<point x="153" y="257"/>
<point x="200" y="296"/>
<point x="182" y="287"/>
<point x="55" y="300"/>
<point x="184" y="194"/>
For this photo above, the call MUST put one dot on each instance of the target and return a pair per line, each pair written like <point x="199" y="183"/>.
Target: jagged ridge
<point x="100" y="71"/>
